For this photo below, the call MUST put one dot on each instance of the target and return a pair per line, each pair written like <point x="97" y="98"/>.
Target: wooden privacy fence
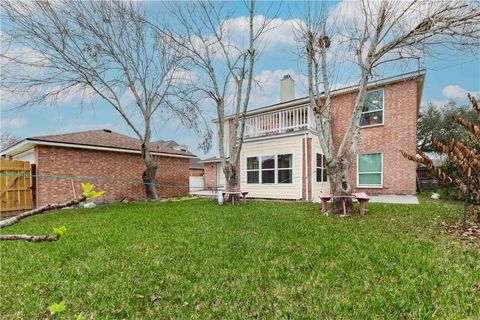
<point x="15" y="186"/>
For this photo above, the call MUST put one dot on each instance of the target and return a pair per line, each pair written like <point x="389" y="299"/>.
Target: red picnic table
<point x="238" y="193"/>
<point x="360" y="196"/>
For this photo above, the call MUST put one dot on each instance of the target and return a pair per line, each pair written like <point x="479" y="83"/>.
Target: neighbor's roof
<point x="106" y="140"/>
<point x="196" y="164"/>
<point x="420" y="75"/>
<point x="168" y="143"/>
<point x="211" y="160"/>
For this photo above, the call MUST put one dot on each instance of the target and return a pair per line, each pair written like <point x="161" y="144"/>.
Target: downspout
<point x="307" y="173"/>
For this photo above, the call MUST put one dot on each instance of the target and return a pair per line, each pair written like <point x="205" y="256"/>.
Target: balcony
<point x="278" y="122"/>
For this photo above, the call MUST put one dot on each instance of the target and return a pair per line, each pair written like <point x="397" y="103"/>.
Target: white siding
<point x="317" y="187"/>
<point x="197" y="183"/>
<point x="28" y="155"/>
<point x="286" y="145"/>
<point x="221" y="180"/>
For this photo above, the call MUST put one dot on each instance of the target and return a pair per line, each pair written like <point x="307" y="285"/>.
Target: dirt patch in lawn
<point x="471" y="232"/>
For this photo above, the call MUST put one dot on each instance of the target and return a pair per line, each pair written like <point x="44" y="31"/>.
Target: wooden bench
<point x="360" y="196"/>
<point x="238" y="193"/>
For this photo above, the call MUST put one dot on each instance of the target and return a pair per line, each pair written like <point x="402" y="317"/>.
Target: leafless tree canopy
<point x="222" y="67"/>
<point x="98" y="49"/>
<point x="362" y="37"/>
<point x="7" y="139"/>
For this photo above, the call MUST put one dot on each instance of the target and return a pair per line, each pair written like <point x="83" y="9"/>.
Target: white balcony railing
<point x="290" y="120"/>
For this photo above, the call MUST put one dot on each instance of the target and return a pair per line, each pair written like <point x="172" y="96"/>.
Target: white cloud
<point x="278" y="37"/>
<point x="348" y="13"/>
<point x="14" y="123"/>
<point x="456" y="92"/>
<point x="267" y="90"/>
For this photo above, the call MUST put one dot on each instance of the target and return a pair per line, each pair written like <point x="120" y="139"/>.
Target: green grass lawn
<point x="196" y="259"/>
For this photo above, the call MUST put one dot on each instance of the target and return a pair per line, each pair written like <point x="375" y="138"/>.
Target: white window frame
<point x="370" y="186"/>
<point x="275" y="169"/>
<point x="383" y="111"/>
<point x="322" y="168"/>
<point x="254" y="170"/>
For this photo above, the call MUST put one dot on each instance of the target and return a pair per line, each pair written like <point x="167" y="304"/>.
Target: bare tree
<point x="378" y="33"/>
<point x="223" y="68"/>
<point x="7" y="139"/>
<point x="104" y="50"/>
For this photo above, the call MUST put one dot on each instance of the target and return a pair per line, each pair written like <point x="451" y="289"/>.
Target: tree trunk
<point x="232" y="183"/>
<point x="340" y="186"/>
<point x="149" y="174"/>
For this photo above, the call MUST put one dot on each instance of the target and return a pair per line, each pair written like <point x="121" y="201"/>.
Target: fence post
<point x="33" y="184"/>
<point x="467" y="197"/>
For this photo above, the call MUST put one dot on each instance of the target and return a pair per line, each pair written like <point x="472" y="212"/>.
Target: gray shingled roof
<point x="107" y="138"/>
<point x="195" y="163"/>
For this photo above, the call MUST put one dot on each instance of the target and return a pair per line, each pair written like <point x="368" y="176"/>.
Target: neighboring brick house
<point x="211" y="174"/>
<point x="112" y="160"/>
<point x="282" y="158"/>
<point x="196" y="168"/>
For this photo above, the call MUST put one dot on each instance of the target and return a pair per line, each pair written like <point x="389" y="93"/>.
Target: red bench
<point x="360" y="196"/>
<point x="362" y="200"/>
<point x="238" y="193"/>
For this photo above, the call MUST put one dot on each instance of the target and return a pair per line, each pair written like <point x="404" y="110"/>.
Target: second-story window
<point x="372" y="113"/>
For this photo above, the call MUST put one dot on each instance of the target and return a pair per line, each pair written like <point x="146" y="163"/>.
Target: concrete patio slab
<point x="204" y="193"/>
<point x="394" y="199"/>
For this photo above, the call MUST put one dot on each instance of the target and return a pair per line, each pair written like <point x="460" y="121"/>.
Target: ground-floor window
<point x="321" y="168"/>
<point x="285" y="168"/>
<point x="270" y="169"/>
<point x="369" y="170"/>
<point x="253" y="170"/>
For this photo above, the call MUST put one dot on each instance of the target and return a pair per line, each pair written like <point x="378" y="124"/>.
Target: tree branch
<point x="29" y="238"/>
<point x="16" y="219"/>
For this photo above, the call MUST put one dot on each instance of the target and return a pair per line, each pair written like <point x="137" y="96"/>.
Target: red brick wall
<point x="103" y="164"/>
<point x="308" y="155"/>
<point x="397" y="133"/>
<point x="210" y="175"/>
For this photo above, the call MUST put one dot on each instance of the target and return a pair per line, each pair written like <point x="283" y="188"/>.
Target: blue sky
<point x="447" y="78"/>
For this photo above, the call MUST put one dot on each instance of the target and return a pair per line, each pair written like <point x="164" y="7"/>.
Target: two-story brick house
<point x="281" y="157"/>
